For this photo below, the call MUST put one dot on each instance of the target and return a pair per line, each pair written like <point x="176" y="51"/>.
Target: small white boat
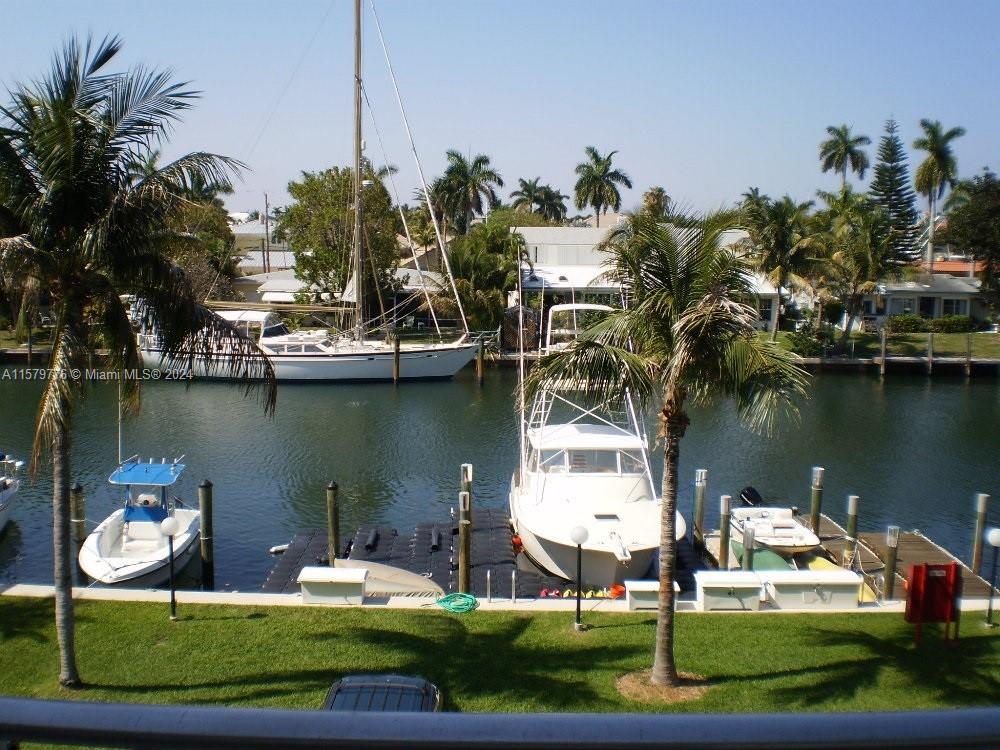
<point x="9" y="485"/>
<point x="128" y="546"/>
<point x="317" y="355"/>
<point x="778" y="529"/>
<point x="590" y="470"/>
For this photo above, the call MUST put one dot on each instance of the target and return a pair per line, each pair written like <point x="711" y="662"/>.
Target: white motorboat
<point x="318" y="355"/>
<point x="352" y="354"/>
<point x="590" y="470"/>
<point x="9" y="485"/>
<point x="129" y="546"/>
<point x="778" y="529"/>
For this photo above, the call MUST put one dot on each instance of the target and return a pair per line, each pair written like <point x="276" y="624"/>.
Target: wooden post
<point x="852" y="528"/>
<point x="968" y="355"/>
<point x="78" y="513"/>
<point x="881" y="366"/>
<point x="725" y="506"/>
<point x="982" y="503"/>
<point x="700" y="485"/>
<point x="207" y="554"/>
<point x="395" y="358"/>
<point x="930" y="352"/>
<point x="816" y="498"/>
<point x="889" y="575"/>
<point x="480" y="363"/>
<point x="464" y="532"/>
<point x="748" y="540"/>
<point x="332" y="523"/>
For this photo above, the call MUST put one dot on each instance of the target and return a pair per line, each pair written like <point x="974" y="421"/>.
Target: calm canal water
<point x="915" y="449"/>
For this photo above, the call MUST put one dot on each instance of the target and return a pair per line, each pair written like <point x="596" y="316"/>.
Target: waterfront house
<point x="933" y="296"/>
<point x="567" y="266"/>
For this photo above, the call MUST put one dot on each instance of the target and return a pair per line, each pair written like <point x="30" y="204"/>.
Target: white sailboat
<point x="129" y="545"/>
<point x="9" y="485"/>
<point x="362" y="352"/>
<point x="589" y="469"/>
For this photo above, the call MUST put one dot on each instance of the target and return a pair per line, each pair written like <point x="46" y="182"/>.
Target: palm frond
<point x="599" y="370"/>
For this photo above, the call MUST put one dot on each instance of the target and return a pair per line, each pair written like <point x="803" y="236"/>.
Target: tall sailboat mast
<point x="359" y="307"/>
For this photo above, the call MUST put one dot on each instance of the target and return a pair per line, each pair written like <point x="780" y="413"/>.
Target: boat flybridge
<point x="129" y="545"/>
<point x="320" y="355"/>
<point x="585" y="466"/>
<point x="9" y="485"/>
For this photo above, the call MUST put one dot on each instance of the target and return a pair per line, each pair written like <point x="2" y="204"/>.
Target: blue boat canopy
<point x="156" y="475"/>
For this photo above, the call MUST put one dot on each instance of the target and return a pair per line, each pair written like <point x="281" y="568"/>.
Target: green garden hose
<point x="458" y="603"/>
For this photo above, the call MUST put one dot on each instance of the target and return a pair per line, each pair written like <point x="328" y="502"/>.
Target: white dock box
<point x="324" y="585"/>
<point x="644" y="594"/>
<point x="727" y="590"/>
<point x="811" y="589"/>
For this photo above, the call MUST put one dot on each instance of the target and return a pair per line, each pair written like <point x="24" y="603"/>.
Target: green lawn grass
<point x="39" y="337"/>
<point x="867" y="345"/>
<point x="288" y="657"/>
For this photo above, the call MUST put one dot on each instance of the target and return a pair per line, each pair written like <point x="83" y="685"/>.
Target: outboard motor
<point x="751" y="497"/>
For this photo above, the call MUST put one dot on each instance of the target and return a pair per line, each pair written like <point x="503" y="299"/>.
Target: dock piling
<point x="700" y="485"/>
<point x="982" y="504"/>
<point x="78" y="513"/>
<point x="889" y="574"/>
<point x="881" y="364"/>
<point x="725" y="503"/>
<point x="968" y="355"/>
<point x="332" y="522"/>
<point x="464" y="532"/>
<point x="395" y="358"/>
<point x="480" y="362"/>
<point x="930" y="353"/>
<point x="852" y="529"/>
<point x="513" y="586"/>
<point x="489" y="591"/>
<point x="816" y="498"/>
<point x="207" y="553"/>
<point x="748" y="540"/>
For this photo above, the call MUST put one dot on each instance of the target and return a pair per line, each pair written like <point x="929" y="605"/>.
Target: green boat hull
<point x="763" y="559"/>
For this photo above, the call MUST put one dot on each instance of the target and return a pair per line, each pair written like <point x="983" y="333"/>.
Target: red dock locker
<point x="933" y="593"/>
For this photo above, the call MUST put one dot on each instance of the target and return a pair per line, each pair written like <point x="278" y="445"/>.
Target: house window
<point x="955" y="306"/>
<point x="902" y="305"/>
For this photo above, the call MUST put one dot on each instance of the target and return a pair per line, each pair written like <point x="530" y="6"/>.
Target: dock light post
<point x="169" y="527"/>
<point x="993" y="539"/>
<point x="579" y="535"/>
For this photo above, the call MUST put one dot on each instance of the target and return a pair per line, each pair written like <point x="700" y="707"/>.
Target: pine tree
<point x="891" y="189"/>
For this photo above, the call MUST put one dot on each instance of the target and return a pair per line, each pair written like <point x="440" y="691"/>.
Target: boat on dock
<point x="777" y="529"/>
<point x="584" y="465"/>
<point x="9" y="485"/>
<point x="129" y="547"/>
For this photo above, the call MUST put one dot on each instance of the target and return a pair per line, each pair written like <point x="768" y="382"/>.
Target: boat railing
<point x="143" y="725"/>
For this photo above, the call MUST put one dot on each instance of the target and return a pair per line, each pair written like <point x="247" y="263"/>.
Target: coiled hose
<point x="458" y="603"/>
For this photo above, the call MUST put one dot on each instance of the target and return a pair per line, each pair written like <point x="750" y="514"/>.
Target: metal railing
<point x="149" y="726"/>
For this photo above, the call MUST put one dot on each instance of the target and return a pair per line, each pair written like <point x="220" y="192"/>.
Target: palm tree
<point x="552" y="203"/>
<point x="656" y="202"/>
<point x="527" y="195"/>
<point x="597" y="185"/>
<point x="937" y="172"/>
<point x="89" y="231"/>
<point x="688" y="336"/>
<point x="841" y="150"/>
<point x="465" y="184"/>
<point x="779" y="242"/>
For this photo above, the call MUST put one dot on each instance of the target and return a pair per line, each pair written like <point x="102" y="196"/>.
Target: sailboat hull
<point x="417" y="363"/>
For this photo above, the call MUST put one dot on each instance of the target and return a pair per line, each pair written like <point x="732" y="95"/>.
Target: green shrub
<point x="907" y="323"/>
<point x="952" y="324"/>
<point x="808" y="342"/>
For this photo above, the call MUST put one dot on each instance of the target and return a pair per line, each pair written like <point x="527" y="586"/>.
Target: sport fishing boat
<point x="363" y="349"/>
<point x="584" y="466"/>
<point x="129" y="547"/>
<point x="9" y="485"/>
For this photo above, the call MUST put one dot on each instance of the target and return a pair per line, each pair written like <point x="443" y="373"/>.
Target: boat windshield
<point x="280" y="329"/>
<point x="587" y="462"/>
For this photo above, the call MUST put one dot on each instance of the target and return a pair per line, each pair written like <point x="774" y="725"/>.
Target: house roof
<point x="592" y="278"/>
<point x="935" y="284"/>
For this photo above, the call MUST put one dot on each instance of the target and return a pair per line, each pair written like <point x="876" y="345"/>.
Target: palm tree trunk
<point x="930" y="230"/>
<point x="853" y="305"/>
<point x="673" y="423"/>
<point x="776" y="318"/>
<point x="62" y="559"/>
<point x="597" y="214"/>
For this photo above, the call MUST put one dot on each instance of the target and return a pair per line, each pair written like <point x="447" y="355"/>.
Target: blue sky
<point x="704" y="98"/>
